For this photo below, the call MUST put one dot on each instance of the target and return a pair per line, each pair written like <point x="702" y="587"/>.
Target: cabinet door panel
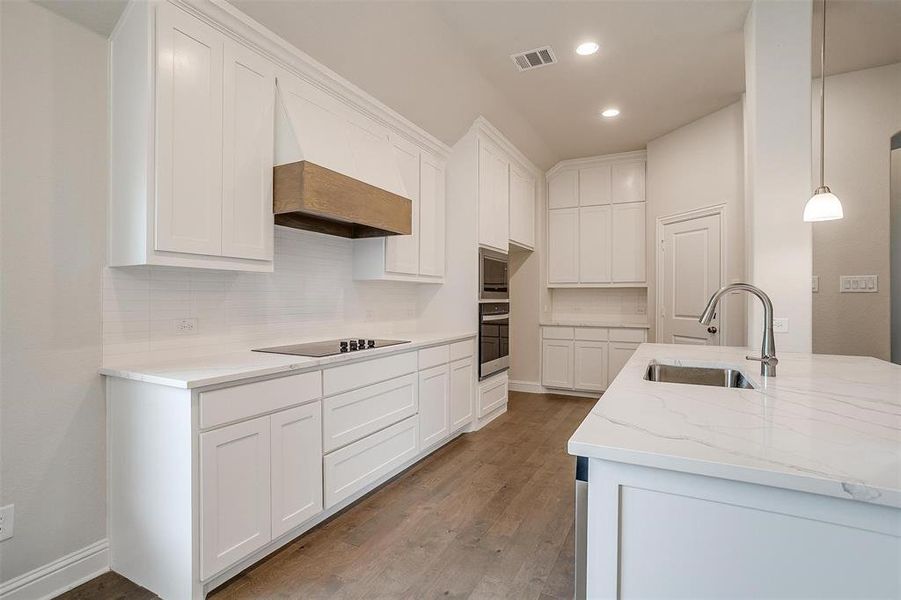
<point x="563" y="246"/>
<point x="234" y="493"/>
<point x="433" y="406"/>
<point x="563" y="190"/>
<point x="402" y="251"/>
<point x="594" y="244"/>
<point x="189" y="134"/>
<point x="296" y="466"/>
<point x="557" y="364"/>
<point x="594" y="185"/>
<point x="522" y="207"/>
<point x="432" y="218"/>
<point x="248" y="103"/>
<point x="493" y="198"/>
<point x="462" y="375"/>
<point x="590" y="366"/>
<point x="627" y="182"/>
<point x="628" y="243"/>
<point x="502" y="204"/>
<point x="619" y="355"/>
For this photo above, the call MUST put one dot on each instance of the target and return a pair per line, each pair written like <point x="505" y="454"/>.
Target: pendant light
<point x="823" y="205"/>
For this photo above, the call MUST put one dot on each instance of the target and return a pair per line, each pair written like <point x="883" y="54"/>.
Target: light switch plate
<point x="7" y="521"/>
<point x="780" y="325"/>
<point x="858" y="284"/>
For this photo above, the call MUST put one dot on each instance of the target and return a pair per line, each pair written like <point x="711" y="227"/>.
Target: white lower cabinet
<point x="353" y="467"/>
<point x="582" y="358"/>
<point x="590" y="365"/>
<point x="462" y="374"/>
<point x="492" y="394"/>
<point x="557" y="363"/>
<point x="234" y="493"/>
<point x="296" y="466"/>
<point x="433" y="405"/>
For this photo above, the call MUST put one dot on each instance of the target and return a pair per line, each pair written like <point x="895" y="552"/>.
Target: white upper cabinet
<point x="248" y="105"/>
<point x="563" y="190"/>
<point x="419" y="257"/>
<point x="192" y="143"/>
<point x="627" y="182"/>
<point x="402" y="251"/>
<point x="189" y="98"/>
<point x="522" y="207"/>
<point x="596" y="223"/>
<point x="432" y="217"/>
<point x="494" y="197"/>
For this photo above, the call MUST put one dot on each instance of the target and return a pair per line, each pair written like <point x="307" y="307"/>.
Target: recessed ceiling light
<point x="610" y="112"/>
<point x="587" y="48"/>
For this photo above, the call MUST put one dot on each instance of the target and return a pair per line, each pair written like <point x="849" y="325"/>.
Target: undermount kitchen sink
<point x="712" y="376"/>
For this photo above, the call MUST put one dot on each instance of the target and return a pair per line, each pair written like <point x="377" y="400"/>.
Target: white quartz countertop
<point x="235" y="366"/>
<point x="828" y="425"/>
<point x="602" y="322"/>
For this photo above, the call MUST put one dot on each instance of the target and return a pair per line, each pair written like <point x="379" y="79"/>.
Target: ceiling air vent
<point x="532" y="59"/>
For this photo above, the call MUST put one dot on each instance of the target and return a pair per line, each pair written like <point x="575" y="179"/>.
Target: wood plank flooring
<point x="490" y="515"/>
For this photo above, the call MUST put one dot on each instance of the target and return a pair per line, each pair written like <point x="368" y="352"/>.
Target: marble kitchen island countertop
<point x="228" y="367"/>
<point x="828" y="425"/>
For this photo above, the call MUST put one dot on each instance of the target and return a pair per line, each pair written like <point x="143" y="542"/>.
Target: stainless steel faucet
<point x="767" y="358"/>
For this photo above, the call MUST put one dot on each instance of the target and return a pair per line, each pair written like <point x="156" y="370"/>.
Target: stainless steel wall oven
<point x="494" y="338"/>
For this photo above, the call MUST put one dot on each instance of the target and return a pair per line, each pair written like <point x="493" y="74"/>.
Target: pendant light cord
<point x="823" y="102"/>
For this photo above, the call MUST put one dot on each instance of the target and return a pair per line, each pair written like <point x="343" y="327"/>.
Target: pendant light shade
<point x="823" y="205"/>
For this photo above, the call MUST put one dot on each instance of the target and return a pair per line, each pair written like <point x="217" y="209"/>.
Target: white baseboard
<point x="532" y="387"/>
<point x="59" y="576"/>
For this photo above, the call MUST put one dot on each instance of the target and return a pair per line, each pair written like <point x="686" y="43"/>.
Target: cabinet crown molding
<point x="241" y="27"/>
<point x="483" y="126"/>
<point x="588" y="161"/>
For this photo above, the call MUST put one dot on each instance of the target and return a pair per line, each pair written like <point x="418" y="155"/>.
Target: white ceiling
<point x="664" y="63"/>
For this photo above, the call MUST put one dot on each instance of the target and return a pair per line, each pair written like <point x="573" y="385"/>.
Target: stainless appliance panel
<point x="494" y="338"/>
<point x="494" y="281"/>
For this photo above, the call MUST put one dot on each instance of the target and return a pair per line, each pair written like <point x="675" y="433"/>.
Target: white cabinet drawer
<point x="349" y="377"/>
<point x="557" y="333"/>
<point x="354" y="415"/>
<point x="492" y="394"/>
<point x="628" y="335"/>
<point x="592" y="334"/>
<point x="242" y="401"/>
<point x="432" y="357"/>
<point x="353" y="467"/>
<point x="463" y="349"/>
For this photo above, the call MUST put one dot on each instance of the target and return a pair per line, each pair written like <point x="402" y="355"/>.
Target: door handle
<point x="712" y="329"/>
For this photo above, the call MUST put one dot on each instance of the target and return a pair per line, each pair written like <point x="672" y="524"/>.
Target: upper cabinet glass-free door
<point x="522" y="207"/>
<point x="189" y="134"/>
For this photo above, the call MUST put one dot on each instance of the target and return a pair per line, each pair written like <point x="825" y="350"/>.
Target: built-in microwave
<point x="494" y="282"/>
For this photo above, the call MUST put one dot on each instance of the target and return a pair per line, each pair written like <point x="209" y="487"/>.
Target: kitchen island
<point x="792" y="488"/>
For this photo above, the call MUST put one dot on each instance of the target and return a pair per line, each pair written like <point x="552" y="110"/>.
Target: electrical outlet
<point x="642" y="309"/>
<point x="185" y="326"/>
<point x="815" y="283"/>
<point x="780" y="325"/>
<point x="7" y="521"/>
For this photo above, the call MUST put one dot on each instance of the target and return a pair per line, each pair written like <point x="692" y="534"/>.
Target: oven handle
<point x="495" y="317"/>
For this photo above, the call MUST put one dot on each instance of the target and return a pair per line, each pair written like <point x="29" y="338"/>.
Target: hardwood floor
<point x="490" y="515"/>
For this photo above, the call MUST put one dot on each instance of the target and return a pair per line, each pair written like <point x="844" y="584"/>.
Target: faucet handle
<point x="770" y="361"/>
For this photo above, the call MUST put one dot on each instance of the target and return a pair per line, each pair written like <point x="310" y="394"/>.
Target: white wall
<point x="777" y="168"/>
<point x="863" y="111"/>
<point x="310" y="294"/>
<point x="54" y="129"/>
<point x="699" y="165"/>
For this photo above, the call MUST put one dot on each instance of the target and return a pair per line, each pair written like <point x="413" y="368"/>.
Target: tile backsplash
<point x="589" y="303"/>
<point x="311" y="293"/>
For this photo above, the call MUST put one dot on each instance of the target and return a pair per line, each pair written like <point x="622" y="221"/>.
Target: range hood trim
<point x="312" y="197"/>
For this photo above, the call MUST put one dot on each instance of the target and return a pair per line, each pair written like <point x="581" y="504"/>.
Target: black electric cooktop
<point x="331" y="347"/>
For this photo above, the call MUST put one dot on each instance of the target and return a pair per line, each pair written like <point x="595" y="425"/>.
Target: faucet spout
<point x="768" y="360"/>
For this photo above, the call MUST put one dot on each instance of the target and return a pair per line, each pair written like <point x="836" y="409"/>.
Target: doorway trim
<point x="715" y="210"/>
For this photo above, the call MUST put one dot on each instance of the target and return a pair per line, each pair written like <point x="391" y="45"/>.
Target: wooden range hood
<point x="312" y="197"/>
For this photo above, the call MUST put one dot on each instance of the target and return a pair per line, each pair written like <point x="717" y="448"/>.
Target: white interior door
<point x="692" y="265"/>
